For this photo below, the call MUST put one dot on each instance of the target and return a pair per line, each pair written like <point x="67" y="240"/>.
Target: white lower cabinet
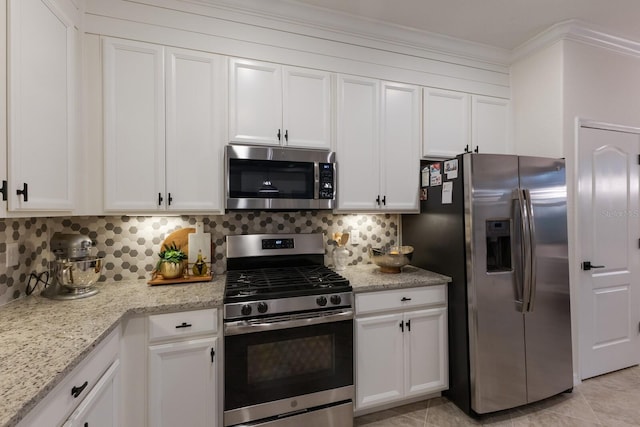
<point x="182" y="383"/>
<point x="182" y="386"/>
<point x="401" y="348"/>
<point x="89" y="396"/>
<point x="101" y="407"/>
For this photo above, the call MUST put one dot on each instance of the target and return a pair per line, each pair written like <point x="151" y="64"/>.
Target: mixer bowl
<point x="78" y="274"/>
<point x="391" y="260"/>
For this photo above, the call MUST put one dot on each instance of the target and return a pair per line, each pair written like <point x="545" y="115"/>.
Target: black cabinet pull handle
<point x="75" y="391"/>
<point x="3" y="190"/>
<point x="184" y="325"/>
<point x="405" y="299"/>
<point x="477" y="149"/>
<point x="402" y="326"/>
<point x="408" y="325"/>
<point x="466" y="148"/>
<point x="160" y="199"/>
<point x="286" y="135"/>
<point x="24" y="192"/>
<point x="588" y="266"/>
<point x="213" y="353"/>
<point x="86" y="424"/>
<point x="169" y="199"/>
<point x="384" y="200"/>
<point x="279" y="134"/>
<point x="378" y="200"/>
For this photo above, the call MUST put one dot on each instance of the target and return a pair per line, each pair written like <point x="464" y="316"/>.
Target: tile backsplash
<point x="130" y="244"/>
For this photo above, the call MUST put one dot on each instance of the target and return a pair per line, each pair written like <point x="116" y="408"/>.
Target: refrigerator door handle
<point x="525" y="256"/>
<point x="532" y="250"/>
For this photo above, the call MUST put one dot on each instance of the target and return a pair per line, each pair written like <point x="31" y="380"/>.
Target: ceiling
<point x="504" y="24"/>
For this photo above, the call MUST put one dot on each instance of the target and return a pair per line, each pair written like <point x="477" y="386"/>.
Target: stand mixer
<point x="74" y="271"/>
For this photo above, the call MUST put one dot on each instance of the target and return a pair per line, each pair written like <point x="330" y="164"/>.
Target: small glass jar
<point x="340" y="258"/>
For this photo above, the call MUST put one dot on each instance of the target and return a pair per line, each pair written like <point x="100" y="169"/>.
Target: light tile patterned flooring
<point x="611" y="400"/>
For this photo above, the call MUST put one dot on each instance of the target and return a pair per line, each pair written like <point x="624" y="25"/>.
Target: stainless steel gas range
<point x="288" y="326"/>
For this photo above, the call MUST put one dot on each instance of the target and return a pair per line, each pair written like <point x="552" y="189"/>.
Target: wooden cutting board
<point x="181" y="239"/>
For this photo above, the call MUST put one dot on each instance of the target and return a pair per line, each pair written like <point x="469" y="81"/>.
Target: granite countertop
<point x="42" y="340"/>
<point x="368" y="278"/>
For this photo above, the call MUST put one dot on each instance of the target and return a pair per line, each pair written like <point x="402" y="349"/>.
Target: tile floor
<point x="611" y="400"/>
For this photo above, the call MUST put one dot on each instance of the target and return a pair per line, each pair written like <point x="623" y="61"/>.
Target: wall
<point x="130" y="244"/>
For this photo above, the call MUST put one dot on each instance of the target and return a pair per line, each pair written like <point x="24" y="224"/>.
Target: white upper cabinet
<point x="279" y="105"/>
<point x="134" y="127"/>
<point x="42" y="107"/>
<point x="400" y="147"/>
<point x="446" y="122"/>
<point x="457" y="122"/>
<point x="163" y="128"/>
<point x="196" y="94"/>
<point x="490" y="125"/>
<point x="357" y="145"/>
<point x="378" y="145"/>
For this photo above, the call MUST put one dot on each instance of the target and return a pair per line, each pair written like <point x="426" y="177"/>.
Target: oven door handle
<point x="248" y="326"/>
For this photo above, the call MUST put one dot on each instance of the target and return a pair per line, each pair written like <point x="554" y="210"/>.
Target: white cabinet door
<point x="357" y="145"/>
<point x="134" y="127"/>
<point x="379" y="360"/>
<point x="101" y="406"/>
<point x="426" y="354"/>
<point x="306" y="114"/>
<point x="255" y="102"/>
<point x="182" y="383"/>
<point x="400" y="147"/>
<point x="195" y="118"/>
<point x="490" y="125"/>
<point x="446" y="123"/>
<point x="42" y="83"/>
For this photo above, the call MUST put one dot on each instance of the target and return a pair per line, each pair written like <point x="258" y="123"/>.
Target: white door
<point x="446" y="122"/>
<point x="608" y="224"/>
<point x="255" y="102"/>
<point x="196" y="88"/>
<point x="379" y="359"/>
<point x="306" y="107"/>
<point x="357" y="145"/>
<point x="490" y="125"/>
<point x="134" y="126"/>
<point x="426" y="356"/>
<point x="399" y="147"/>
<point x="182" y="384"/>
<point x="42" y="115"/>
<point x="101" y="406"/>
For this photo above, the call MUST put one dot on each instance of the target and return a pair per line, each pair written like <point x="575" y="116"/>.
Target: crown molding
<point x="577" y="31"/>
<point x="291" y="16"/>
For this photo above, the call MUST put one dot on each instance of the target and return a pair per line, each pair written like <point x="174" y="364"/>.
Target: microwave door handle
<point x="316" y="180"/>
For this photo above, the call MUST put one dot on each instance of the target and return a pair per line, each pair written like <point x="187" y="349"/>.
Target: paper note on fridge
<point x="447" y="192"/>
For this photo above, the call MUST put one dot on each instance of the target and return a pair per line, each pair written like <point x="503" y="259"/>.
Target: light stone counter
<point x="368" y="278"/>
<point x="42" y="340"/>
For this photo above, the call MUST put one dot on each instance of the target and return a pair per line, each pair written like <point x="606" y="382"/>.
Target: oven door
<point x="282" y="369"/>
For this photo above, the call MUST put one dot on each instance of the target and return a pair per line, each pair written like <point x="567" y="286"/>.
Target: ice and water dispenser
<point x="498" y="245"/>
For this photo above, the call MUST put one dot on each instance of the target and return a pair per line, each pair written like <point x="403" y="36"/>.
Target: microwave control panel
<point x="326" y="181"/>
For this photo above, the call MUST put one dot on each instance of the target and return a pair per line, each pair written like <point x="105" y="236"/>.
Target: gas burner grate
<point x="265" y="280"/>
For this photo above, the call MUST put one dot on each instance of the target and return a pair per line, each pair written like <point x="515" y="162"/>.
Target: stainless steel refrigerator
<point x="497" y="224"/>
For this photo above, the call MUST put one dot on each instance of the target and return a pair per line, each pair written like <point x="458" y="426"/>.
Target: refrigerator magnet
<point x="447" y="193"/>
<point x="451" y="168"/>
<point x="436" y="180"/>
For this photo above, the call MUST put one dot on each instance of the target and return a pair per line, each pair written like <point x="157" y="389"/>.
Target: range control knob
<point x="335" y="299"/>
<point x="321" y="301"/>
<point x="262" y="307"/>
<point x="246" y="310"/>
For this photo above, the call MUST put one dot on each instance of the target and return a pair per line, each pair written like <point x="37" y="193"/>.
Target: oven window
<point x="272" y="365"/>
<point x="271" y="179"/>
<point x="282" y="360"/>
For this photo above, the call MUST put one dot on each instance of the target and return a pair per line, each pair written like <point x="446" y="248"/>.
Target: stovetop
<point x="282" y="282"/>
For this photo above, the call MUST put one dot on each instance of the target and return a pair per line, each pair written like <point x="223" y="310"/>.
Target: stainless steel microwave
<point x="279" y="178"/>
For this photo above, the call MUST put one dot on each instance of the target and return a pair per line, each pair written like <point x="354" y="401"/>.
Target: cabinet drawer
<point x="183" y="324"/>
<point x="371" y="302"/>
<point x="67" y="395"/>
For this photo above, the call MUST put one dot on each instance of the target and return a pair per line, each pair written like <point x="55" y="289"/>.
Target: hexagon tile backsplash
<point x="130" y="244"/>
